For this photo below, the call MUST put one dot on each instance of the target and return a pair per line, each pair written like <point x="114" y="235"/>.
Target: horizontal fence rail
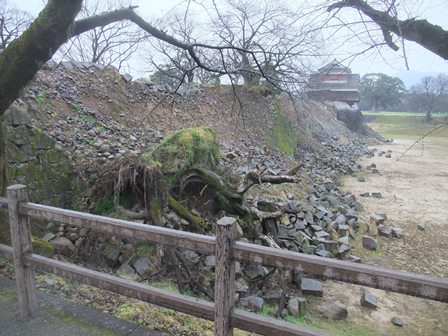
<point x="366" y="275"/>
<point x="226" y="250"/>
<point x="195" y="307"/>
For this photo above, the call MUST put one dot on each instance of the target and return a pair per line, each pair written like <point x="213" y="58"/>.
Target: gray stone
<point x="272" y="297"/>
<point x="384" y="230"/>
<point x="309" y="217"/>
<point x="366" y="194"/>
<point x="397" y="232"/>
<point x="377" y="219"/>
<point x="143" y="266"/>
<point x="241" y="286"/>
<point x="333" y="310"/>
<point x="49" y="236"/>
<point x="111" y="252"/>
<point x="321" y="234"/>
<point x="210" y="261"/>
<point x="369" y="243"/>
<point x="358" y="206"/>
<point x="396" y="321"/>
<point x="311" y="287"/>
<point x="361" y="179"/>
<point x="377" y="195"/>
<point x="297" y="306"/>
<point x="369" y="300"/>
<point x="343" y="229"/>
<point x="252" y="303"/>
<point x="343" y="249"/>
<point x="254" y="271"/>
<point x="62" y="245"/>
<point x="126" y="271"/>
<point x="421" y="226"/>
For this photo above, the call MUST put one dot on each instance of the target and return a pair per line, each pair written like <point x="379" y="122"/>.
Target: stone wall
<point x="30" y="157"/>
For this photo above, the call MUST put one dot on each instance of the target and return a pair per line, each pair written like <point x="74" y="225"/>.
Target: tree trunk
<point x="25" y="56"/>
<point x="428" y="116"/>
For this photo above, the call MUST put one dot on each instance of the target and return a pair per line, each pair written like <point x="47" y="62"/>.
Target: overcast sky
<point x="435" y="11"/>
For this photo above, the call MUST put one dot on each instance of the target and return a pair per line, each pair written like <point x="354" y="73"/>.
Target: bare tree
<point x="113" y="44"/>
<point x="12" y="23"/>
<point x="278" y="38"/>
<point x="429" y="93"/>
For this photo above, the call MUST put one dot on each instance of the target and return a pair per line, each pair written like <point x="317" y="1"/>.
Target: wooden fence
<point x="226" y="250"/>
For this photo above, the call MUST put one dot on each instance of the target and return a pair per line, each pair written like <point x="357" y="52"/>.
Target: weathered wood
<point x="120" y="227"/>
<point x="263" y="325"/>
<point x="125" y="287"/>
<point x="401" y="282"/>
<point x="6" y="251"/>
<point x="22" y="248"/>
<point x="224" y="276"/>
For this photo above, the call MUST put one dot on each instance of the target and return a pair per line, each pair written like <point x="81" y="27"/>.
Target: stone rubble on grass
<point x="333" y="310"/>
<point x="421" y="226"/>
<point x="369" y="243"/>
<point x="396" y="321"/>
<point x="311" y="287"/>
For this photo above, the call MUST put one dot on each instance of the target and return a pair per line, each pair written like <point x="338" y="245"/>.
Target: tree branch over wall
<point x="428" y="35"/>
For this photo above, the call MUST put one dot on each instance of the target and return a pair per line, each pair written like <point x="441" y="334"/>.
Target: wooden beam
<point x="268" y="326"/>
<point x="125" y="287"/>
<point x="120" y="227"/>
<point x="6" y="251"/>
<point x="22" y="248"/>
<point x="401" y="282"/>
<point x="199" y="308"/>
<point x="224" y="276"/>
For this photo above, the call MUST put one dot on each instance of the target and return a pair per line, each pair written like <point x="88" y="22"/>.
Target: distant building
<point x="335" y="82"/>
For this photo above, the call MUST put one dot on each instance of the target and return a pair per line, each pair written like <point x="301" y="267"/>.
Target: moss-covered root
<point x="198" y="223"/>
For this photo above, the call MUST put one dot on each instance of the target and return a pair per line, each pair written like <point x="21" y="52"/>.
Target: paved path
<point x="59" y="317"/>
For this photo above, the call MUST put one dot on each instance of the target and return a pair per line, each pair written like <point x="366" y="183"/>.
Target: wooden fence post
<point x="224" y="276"/>
<point x="22" y="247"/>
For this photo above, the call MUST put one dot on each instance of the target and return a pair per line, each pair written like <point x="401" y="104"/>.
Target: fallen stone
<point x="143" y="266"/>
<point x="366" y="194"/>
<point x="396" y="321"/>
<point x="397" y="232"/>
<point x="369" y="243"/>
<point x="62" y="246"/>
<point x="49" y="236"/>
<point x="369" y="300"/>
<point x="354" y="258"/>
<point x="421" y="226"/>
<point x="126" y="271"/>
<point x="273" y="297"/>
<point x="343" y="249"/>
<point x="377" y="219"/>
<point x="252" y="303"/>
<point x="333" y="310"/>
<point x="377" y="195"/>
<point x="384" y="230"/>
<point x="210" y="261"/>
<point x="361" y="179"/>
<point x="297" y="306"/>
<point x="241" y="286"/>
<point x="311" y="287"/>
<point x="111" y="252"/>
<point x="388" y="155"/>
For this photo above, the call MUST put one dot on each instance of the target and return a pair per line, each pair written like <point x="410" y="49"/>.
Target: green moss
<point x="143" y="249"/>
<point x="42" y="247"/>
<point x="282" y="136"/>
<point x="185" y="149"/>
<point x="103" y="206"/>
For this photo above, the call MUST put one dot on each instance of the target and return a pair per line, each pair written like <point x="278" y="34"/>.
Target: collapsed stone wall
<point x="32" y="158"/>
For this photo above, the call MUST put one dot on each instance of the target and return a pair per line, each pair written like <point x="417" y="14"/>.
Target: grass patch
<point x="283" y="136"/>
<point x="7" y="296"/>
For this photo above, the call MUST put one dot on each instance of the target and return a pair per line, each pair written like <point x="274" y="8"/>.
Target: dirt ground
<point x="414" y="190"/>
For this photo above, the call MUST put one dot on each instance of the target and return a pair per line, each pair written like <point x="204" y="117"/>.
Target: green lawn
<point x="407" y="124"/>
